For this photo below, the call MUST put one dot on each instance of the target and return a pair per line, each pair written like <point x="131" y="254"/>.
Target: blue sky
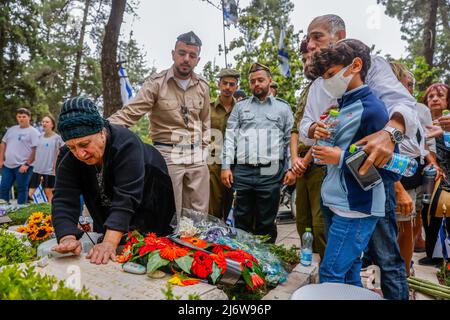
<point x="161" y="21"/>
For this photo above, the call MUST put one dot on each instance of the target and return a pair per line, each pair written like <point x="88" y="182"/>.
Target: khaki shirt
<point x="162" y="97"/>
<point x="299" y="115"/>
<point x="219" y="118"/>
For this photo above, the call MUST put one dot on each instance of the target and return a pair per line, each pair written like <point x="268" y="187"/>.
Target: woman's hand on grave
<point x="68" y="244"/>
<point x="102" y="252"/>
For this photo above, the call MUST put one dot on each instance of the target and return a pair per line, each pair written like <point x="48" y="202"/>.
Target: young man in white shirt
<point x="17" y="153"/>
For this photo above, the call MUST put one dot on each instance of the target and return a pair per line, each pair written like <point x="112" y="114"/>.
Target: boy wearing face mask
<point x="356" y="212"/>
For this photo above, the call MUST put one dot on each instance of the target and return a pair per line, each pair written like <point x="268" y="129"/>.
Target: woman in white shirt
<point x="46" y="155"/>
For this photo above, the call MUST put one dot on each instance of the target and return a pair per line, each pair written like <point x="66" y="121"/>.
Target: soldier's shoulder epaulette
<point x="157" y="75"/>
<point x="279" y="99"/>
<point x="202" y="79"/>
<point x="243" y="100"/>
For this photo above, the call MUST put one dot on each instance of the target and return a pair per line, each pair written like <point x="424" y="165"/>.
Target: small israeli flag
<point x="442" y="246"/>
<point x="126" y="91"/>
<point x="283" y="55"/>
<point x="39" y="195"/>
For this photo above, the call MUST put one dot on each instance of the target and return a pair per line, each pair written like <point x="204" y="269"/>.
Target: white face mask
<point x="337" y="85"/>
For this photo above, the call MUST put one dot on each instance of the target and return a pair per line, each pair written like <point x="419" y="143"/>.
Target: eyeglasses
<point x="184" y="112"/>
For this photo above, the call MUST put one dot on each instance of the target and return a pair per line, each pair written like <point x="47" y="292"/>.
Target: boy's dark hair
<point x="342" y="53"/>
<point x="23" y="111"/>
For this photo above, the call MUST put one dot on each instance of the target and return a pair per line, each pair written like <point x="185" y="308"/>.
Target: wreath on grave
<point x="197" y="260"/>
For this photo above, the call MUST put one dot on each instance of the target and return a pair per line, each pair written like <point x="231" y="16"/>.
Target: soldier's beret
<point x="257" y="67"/>
<point x="228" y="73"/>
<point x="190" y="38"/>
<point x="274" y="85"/>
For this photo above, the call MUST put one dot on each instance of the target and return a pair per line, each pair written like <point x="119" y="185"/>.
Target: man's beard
<point x="183" y="74"/>
<point x="262" y="94"/>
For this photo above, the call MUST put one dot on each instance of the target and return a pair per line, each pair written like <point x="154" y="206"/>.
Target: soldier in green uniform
<point x="220" y="197"/>
<point x="256" y="141"/>
<point x="274" y="88"/>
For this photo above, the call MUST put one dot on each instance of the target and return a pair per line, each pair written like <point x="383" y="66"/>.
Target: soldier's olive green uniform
<point x="309" y="213"/>
<point x="220" y="197"/>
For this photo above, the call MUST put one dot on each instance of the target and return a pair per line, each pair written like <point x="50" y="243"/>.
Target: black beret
<point x="190" y="38"/>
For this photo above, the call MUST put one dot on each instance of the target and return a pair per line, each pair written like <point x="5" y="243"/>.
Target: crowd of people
<point x="237" y="152"/>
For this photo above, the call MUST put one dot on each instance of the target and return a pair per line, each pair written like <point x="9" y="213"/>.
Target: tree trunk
<point x="112" y="100"/>
<point x="429" y="32"/>
<point x="76" y="75"/>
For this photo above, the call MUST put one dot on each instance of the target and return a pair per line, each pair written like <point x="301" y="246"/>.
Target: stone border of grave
<point x="299" y="277"/>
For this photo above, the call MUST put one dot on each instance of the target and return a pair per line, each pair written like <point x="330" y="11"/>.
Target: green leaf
<point x="185" y="263"/>
<point x="155" y="262"/>
<point x="215" y="273"/>
<point x="247" y="278"/>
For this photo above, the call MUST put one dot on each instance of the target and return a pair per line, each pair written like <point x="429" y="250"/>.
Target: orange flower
<point x="22" y="229"/>
<point x="199" y="243"/>
<point x="221" y="261"/>
<point x="173" y="252"/>
<point x="180" y="280"/>
<point x="257" y="281"/>
<point x="126" y="254"/>
<point x="48" y="220"/>
<point x="36" y="217"/>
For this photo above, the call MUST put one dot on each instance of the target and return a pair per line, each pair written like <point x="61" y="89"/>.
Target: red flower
<point x="257" y="281"/>
<point x="220" y="248"/>
<point x="152" y="243"/>
<point x="199" y="243"/>
<point x="202" y="265"/>
<point x="448" y="266"/>
<point x="221" y="261"/>
<point x="173" y="252"/>
<point x="240" y="256"/>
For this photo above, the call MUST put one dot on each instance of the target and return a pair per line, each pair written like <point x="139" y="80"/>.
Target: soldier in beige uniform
<point x="177" y="102"/>
<point x="220" y="197"/>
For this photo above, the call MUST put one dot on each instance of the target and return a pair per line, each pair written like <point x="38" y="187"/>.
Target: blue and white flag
<point x="126" y="91"/>
<point x="230" y="12"/>
<point x="442" y="247"/>
<point x="283" y="55"/>
<point x="39" y="195"/>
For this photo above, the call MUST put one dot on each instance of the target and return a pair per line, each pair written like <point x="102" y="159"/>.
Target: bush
<point x="13" y="250"/>
<point x="21" y="215"/>
<point x="27" y="284"/>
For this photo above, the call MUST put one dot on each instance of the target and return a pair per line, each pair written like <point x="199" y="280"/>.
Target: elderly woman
<point x="437" y="98"/>
<point x="124" y="182"/>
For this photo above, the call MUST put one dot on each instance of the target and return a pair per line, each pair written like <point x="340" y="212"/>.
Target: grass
<point x="21" y="215"/>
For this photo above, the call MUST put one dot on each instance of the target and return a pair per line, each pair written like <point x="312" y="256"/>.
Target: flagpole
<point x="224" y="39"/>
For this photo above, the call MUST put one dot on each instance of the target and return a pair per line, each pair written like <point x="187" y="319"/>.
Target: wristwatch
<point x="396" y="135"/>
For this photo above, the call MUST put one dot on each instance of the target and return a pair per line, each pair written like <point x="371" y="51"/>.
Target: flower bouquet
<point x="192" y="260"/>
<point x="38" y="227"/>
<point x="212" y="229"/>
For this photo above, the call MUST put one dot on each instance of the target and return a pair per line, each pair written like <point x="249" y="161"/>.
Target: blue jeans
<point x="22" y="179"/>
<point x="347" y="238"/>
<point x="384" y="251"/>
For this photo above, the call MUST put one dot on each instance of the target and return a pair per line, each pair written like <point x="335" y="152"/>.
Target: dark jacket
<point x="137" y="186"/>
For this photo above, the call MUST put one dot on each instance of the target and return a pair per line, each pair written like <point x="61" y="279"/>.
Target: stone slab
<point x="110" y="282"/>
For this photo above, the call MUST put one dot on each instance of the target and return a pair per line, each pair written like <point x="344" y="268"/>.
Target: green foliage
<point x="289" y="257"/>
<point x="27" y="284"/>
<point x="13" y="250"/>
<point x="423" y="74"/>
<point x="260" y="27"/>
<point x="413" y="16"/>
<point x="239" y="292"/>
<point x="168" y="293"/>
<point x="21" y="215"/>
<point x="141" y="129"/>
<point x="210" y="72"/>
